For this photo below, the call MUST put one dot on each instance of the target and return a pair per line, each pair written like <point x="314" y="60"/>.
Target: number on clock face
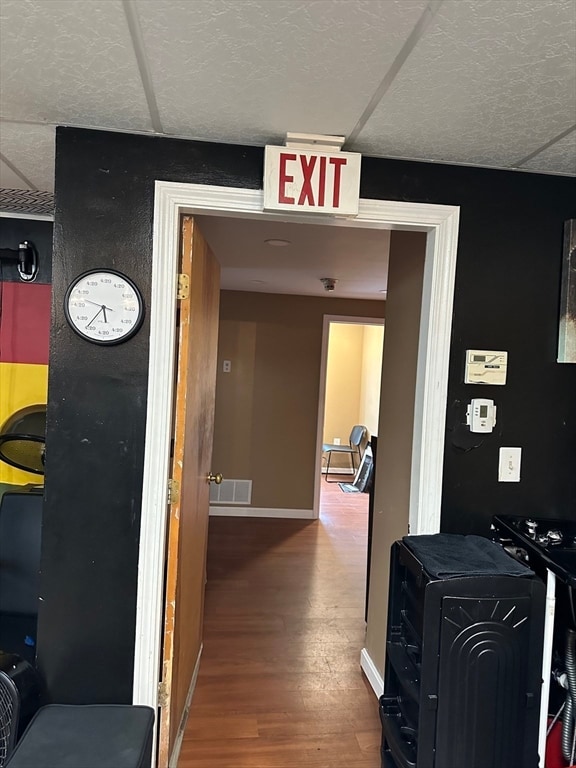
<point x="104" y="307"/>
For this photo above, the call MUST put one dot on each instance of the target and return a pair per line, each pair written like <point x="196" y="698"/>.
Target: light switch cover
<point x="509" y="465"/>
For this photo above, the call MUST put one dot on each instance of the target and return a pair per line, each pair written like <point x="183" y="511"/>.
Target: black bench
<point x="86" y="736"/>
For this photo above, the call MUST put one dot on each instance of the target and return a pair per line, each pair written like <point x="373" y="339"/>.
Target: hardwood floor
<point x="280" y="684"/>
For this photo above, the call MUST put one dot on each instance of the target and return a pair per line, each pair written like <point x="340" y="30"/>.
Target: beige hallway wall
<point x="394" y="459"/>
<point x="267" y="406"/>
<point x="343" y="381"/>
<point x="372" y="349"/>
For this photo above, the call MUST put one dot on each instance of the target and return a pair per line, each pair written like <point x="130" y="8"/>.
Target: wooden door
<point x="195" y="383"/>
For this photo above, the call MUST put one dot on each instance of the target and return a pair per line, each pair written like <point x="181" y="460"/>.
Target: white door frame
<point x="327" y="322"/>
<point x="173" y="199"/>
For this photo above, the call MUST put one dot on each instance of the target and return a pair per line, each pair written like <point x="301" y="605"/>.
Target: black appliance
<point x="550" y="542"/>
<point x="549" y="546"/>
<point x="463" y="656"/>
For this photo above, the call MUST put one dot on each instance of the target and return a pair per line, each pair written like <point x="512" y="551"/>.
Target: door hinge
<point x="183" y="286"/>
<point x="173" y="491"/>
<point x="163" y="694"/>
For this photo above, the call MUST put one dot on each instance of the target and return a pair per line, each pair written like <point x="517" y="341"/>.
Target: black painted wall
<point x="507" y="297"/>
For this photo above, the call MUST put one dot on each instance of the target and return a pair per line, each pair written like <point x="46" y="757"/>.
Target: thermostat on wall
<point x="485" y="366"/>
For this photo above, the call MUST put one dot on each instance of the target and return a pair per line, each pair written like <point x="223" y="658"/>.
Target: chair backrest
<point x="363" y="477"/>
<point x="358" y="433"/>
<point x="20" y="529"/>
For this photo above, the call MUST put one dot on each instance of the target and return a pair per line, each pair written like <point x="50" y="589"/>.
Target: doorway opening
<point x="350" y="379"/>
<point x="172" y="199"/>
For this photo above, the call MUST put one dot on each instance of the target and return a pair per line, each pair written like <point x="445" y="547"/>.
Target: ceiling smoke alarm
<point x="329" y="283"/>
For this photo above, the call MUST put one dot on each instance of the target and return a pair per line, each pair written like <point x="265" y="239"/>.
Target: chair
<point x="353" y="449"/>
<point x="20" y="535"/>
<point x="86" y="736"/>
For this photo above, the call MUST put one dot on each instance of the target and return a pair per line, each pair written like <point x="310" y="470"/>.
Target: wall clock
<point x="104" y="306"/>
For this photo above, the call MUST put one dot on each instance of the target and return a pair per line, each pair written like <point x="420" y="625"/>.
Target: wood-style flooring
<point x="280" y="684"/>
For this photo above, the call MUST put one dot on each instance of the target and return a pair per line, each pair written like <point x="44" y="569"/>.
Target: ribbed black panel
<point x="480" y="694"/>
<point x="462" y="676"/>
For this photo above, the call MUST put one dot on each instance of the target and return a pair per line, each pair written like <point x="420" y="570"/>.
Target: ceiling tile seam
<point x="18" y="173"/>
<point x="248" y="143"/>
<point x="142" y="60"/>
<point x="546" y="146"/>
<point x="410" y="44"/>
<point x="16" y="121"/>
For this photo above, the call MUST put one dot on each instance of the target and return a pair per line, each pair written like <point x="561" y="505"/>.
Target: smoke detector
<point x="329" y="283"/>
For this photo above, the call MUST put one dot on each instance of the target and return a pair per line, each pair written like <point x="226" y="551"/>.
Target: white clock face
<point x="104" y="307"/>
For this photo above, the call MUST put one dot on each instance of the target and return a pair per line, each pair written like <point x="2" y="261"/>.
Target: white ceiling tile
<point x="30" y="148"/>
<point x="559" y="158"/>
<point x="488" y="84"/>
<point x="253" y="70"/>
<point x="10" y="180"/>
<point x="70" y="61"/>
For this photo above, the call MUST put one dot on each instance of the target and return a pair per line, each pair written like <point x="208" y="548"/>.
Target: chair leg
<point x="328" y="469"/>
<point x="328" y="466"/>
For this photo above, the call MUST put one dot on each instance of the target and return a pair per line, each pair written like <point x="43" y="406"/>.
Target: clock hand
<point x="102" y="306"/>
<point x="95" y="316"/>
<point x="104" y="312"/>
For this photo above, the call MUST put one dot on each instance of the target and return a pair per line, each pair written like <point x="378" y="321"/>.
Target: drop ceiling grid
<point x="31" y="149"/>
<point x="559" y="158"/>
<point x="9" y="180"/>
<point x="71" y="62"/>
<point x="488" y="84"/>
<point x="252" y="71"/>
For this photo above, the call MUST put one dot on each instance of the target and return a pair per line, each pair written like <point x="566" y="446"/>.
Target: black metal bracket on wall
<point x="26" y="257"/>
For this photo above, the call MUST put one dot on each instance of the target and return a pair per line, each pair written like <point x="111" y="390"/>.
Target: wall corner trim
<point x="287" y="514"/>
<point x="372" y="675"/>
<point x="171" y="201"/>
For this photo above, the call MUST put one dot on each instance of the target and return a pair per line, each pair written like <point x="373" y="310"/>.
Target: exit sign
<point x="311" y="181"/>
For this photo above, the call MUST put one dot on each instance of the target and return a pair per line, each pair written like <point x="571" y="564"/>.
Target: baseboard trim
<point x="374" y="677"/>
<point x="297" y="514"/>
<point x="173" y="762"/>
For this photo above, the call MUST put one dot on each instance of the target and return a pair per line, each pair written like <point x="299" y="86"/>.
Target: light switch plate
<point x="509" y="465"/>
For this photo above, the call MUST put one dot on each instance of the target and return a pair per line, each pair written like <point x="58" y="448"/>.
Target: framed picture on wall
<point x="567" y="330"/>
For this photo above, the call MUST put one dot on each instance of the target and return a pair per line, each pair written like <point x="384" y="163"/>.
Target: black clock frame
<point x="105" y="342"/>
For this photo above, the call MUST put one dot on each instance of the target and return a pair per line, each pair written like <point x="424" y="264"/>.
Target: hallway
<point x="280" y="684"/>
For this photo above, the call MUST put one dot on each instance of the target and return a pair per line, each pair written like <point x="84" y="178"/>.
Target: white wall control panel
<point x="481" y="415"/>
<point x="485" y="366"/>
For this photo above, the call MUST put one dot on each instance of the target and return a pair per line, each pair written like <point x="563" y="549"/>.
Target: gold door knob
<point x="217" y="478"/>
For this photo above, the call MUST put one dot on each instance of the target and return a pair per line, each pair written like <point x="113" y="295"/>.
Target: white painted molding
<point x="293" y="514"/>
<point x="172" y="200"/>
<point x="432" y="375"/>
<point x="28" y="216"/>
<point x="372" y="675"/>
<point x="149" y="604"/>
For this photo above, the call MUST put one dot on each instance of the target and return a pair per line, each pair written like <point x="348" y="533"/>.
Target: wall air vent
<point x="231" y="492"/>
<point x="31" y="201"/>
